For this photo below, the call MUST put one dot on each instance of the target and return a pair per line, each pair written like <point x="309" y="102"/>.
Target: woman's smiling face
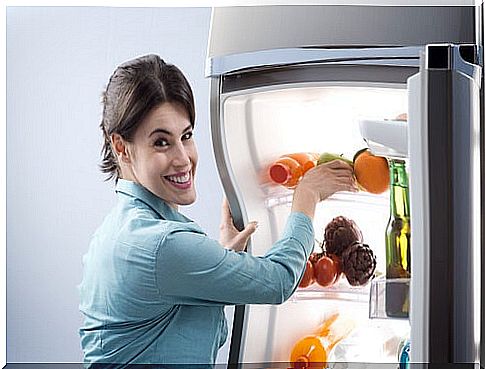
<point x="163" y="155"/>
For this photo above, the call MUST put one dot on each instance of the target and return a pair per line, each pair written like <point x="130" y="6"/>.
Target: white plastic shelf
<point x="341" y="290"/>
<point x="278" y="195"/>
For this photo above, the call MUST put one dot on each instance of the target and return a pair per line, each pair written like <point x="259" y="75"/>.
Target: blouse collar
<point x="136" y="190"/>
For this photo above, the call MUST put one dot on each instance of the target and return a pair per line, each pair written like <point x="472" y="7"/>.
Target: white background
<point x="58" y="62"/>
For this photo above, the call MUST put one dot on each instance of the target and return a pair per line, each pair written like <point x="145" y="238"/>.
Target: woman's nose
<point x="181" y="155"/>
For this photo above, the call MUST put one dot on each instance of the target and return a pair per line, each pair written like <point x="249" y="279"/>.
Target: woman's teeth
<point x="179" y="179"/>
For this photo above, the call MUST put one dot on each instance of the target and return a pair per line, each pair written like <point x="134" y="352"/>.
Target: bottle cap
<point x="279" y="173"/>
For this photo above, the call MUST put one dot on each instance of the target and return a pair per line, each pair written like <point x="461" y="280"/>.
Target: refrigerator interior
<point x="259" y="126"/>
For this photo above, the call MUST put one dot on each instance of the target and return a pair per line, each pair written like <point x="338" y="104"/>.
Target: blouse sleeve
<point x="195" y="269"/>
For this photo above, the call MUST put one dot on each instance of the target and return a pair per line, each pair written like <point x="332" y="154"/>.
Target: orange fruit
<point x="309" y="352"/>
<point x="371" y="171"/>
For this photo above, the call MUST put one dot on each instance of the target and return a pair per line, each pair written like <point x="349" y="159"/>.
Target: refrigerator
<point x="333" y="78"/>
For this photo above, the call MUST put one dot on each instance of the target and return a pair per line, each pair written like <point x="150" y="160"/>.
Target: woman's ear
<point x="120" y="148"/>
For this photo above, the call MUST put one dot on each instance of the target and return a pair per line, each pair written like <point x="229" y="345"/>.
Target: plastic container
<point x="289" y="169"/>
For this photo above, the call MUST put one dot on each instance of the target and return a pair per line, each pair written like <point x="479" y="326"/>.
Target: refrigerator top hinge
<point x="465" y="58"/>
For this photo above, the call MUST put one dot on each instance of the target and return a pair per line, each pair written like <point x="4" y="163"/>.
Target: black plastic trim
<point x="293" y="74"/>
<point x="439" y="57"/>
<point x="441" y="216"/>
<point x="237" y="332"/>
<point x="469" y="53"/>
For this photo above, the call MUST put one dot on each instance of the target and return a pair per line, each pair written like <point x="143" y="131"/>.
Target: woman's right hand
<point x="320" y="183"/>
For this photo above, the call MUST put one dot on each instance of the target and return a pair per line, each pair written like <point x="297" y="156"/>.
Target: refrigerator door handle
<point x="235" y="204"/>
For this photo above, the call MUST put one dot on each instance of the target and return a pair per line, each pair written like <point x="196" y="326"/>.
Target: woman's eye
<point x="161" y="143"/>
<point x="187" y="136"/>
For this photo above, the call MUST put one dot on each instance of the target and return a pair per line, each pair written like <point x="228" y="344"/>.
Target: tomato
<point x="325" y="271"/>
<point x="308" y="277"/>
<point x="338" y="264"/>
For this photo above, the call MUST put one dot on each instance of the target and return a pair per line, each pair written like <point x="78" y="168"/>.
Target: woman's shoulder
<point x="142" y="224"/>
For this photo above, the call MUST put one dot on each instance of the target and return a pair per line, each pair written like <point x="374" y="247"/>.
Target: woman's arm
<point x="194" y="269"/>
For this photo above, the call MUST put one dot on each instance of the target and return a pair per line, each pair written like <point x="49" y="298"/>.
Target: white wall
<point x="58" y="62"/>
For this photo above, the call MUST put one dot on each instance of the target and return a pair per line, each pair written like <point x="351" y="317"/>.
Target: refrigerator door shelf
<point x="387" y="138"/>
<point x="377" y="296"/>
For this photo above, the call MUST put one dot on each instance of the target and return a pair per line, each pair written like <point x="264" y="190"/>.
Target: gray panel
<point x="252" y="28"/>
<point x="466" y="84"/>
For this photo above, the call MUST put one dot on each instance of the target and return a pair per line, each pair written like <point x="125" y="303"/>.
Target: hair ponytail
<point x="109" y="163"/>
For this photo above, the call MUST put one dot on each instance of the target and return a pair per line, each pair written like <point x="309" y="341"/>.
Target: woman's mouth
<point x="181" y="181"/>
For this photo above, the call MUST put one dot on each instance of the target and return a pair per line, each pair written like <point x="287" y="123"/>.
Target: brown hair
<point x="134" y="89"/>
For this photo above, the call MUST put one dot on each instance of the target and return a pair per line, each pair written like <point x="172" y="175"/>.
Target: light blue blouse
<point x="155" y="285"/>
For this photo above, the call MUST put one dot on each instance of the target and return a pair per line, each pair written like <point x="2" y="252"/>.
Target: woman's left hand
<point x="229" y="236"/>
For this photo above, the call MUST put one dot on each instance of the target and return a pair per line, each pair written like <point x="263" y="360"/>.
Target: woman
<point x="155" y="285"/>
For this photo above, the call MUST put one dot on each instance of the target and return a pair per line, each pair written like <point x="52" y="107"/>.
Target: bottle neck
<point x="399" y="176"/>
<point x="399" y="188"/>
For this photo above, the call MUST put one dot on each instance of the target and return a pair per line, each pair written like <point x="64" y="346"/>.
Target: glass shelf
<point x="279" y="195"/>
<point x="389" y="298"/>
<point x="373" y="294"/>
<point x="341" y="290"/>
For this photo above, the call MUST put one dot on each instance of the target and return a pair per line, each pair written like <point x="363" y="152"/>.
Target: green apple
<point x="328" y="156"/>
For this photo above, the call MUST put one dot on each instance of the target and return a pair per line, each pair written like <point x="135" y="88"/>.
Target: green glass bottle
<point x="398" y="246"/>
